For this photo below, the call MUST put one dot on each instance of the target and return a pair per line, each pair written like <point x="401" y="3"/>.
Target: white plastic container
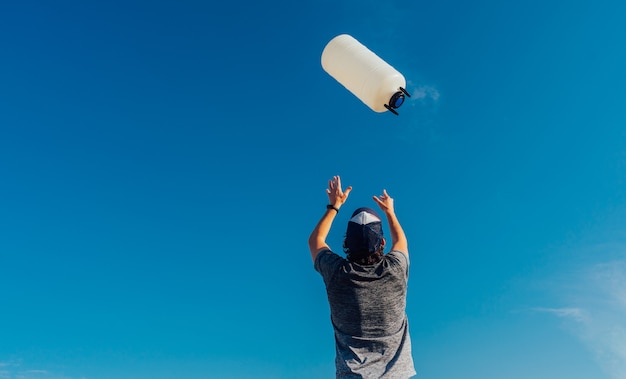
<point x="363" y="73"/>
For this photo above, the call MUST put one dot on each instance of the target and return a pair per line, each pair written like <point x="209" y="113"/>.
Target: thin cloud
<point x="607" y="334"/>
<point x="35" y="373"/>
<point x="16" y="370"/>
<point x="598" y="318"/>
<point x="576" y="314"/>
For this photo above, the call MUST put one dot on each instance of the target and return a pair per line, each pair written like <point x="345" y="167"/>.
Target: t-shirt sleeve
<point x="326" y="263"/>
<point x="399" y="260"/>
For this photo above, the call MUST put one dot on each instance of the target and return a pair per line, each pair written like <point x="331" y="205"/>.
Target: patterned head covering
<point x="364" y="235"/>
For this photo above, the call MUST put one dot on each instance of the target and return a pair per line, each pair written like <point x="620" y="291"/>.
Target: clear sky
<point x="162" y="164"/>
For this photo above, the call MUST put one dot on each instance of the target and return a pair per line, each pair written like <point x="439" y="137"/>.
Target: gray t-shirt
<point x="367" y="309"/>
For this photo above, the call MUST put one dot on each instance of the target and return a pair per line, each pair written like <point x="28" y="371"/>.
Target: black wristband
<point x="330" y="206"/>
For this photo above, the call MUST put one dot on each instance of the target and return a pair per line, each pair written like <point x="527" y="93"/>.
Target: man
<point x="366" y="291"/>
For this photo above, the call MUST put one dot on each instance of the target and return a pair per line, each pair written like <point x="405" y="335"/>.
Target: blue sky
<point x="163" y="163"/>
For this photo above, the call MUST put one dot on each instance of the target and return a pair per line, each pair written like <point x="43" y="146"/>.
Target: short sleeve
<point x="326" y="263"/>
<point x="400" y="260"/>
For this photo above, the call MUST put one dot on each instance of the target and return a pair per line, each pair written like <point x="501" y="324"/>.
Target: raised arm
<point x="398" y="238"/>
<point x="336" y="198"/>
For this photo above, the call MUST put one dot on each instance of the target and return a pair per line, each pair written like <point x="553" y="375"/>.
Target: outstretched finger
<point x="338" y="182"/>
<point x="347" y="192"/>
<point x="378" y="201"/>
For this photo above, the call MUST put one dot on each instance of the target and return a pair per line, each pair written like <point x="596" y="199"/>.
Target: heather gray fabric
<point x="367" y="309"/>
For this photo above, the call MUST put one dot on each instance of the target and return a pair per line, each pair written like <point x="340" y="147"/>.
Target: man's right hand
<point x="336" y="196"/>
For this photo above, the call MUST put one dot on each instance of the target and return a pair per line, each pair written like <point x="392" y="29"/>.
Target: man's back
<point x="367" y="306"/>
<point x="366" y="301"/>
